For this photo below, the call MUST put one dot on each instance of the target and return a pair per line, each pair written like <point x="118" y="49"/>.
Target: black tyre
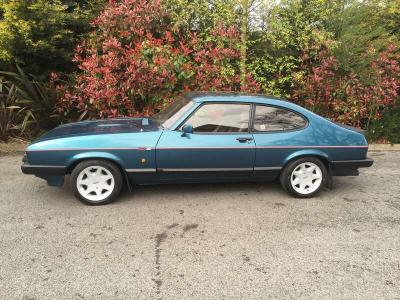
<point x="96" y="182"/>
<point x="304" y="177"/>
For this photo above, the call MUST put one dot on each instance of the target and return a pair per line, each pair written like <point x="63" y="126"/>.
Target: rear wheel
<point x="304" y="177"/>
<point x="96" y="182"/>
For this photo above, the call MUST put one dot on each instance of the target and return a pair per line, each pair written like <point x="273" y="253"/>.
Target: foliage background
<point x="65" y="60"/>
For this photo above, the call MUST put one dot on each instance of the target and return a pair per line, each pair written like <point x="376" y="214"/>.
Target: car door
<point x="219" y="148"/>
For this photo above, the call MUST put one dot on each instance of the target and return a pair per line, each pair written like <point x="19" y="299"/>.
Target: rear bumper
<point x="349" y="167"/>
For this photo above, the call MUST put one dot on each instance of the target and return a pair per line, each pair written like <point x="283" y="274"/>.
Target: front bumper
<point x="54" y="175"/>
<point x="42" y="170"/>
<point x="349" y="167"/>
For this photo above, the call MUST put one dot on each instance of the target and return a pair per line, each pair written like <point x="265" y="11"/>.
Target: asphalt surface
<point x="247" y="240"/>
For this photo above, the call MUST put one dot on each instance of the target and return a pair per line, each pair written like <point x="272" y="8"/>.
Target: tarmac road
<point x="217" y="241"/>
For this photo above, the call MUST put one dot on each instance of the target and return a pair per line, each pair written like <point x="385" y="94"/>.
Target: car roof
<point x="200" y="97"/>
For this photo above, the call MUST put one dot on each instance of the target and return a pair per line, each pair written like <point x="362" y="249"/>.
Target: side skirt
<point x="174" y="176"/>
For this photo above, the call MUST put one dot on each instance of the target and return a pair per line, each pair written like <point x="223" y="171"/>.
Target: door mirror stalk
<point x="186" y="129"/>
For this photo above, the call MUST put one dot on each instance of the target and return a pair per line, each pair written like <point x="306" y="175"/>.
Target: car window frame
<point x="172" y="126"/>
<point x="252" y="129"/>
<point x="249" y="123"/>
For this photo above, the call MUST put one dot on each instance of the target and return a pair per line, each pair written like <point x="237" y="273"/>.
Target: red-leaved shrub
<point x="350" y="98"/>
<point x="134" y="62"/>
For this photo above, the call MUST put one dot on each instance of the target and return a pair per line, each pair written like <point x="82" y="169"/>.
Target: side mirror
<point x="187" y="128"/>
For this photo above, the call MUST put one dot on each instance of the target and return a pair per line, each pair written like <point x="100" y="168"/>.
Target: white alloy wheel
<point x="306" y="178"/>
<point x="95" y="183"/>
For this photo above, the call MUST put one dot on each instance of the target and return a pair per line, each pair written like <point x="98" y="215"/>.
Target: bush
<point x="135" y="60"/>
<point x="14" y="118"/>
<point x="386" y="129"/>
<point x="41" y="35"/>
<point x="350" y="98"/>
<point x="27" y="105"/>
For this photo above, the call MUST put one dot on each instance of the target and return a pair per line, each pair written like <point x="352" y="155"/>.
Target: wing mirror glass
<point x="187" y="128"/>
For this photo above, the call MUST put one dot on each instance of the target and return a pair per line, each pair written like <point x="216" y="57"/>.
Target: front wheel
<point x="96" y="182"/>
<point x="304" y="177"/>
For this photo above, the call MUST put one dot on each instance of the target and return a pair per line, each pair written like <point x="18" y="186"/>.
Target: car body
<point x="202" y="137"/>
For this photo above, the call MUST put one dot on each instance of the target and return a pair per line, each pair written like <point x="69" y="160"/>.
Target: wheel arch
<point x="76" y="159"/>
<point x="324" y="157"/>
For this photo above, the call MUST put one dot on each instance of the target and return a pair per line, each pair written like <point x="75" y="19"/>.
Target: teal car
<point x="200" y="137"/>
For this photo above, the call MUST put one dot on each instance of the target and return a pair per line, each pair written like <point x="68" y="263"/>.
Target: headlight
<point x="25" y="158"/>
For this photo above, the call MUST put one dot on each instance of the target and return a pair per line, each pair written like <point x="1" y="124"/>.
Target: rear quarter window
<point x="270" y="118"/>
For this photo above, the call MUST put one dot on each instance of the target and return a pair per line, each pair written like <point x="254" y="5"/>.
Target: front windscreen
<point x="169" y="115"/>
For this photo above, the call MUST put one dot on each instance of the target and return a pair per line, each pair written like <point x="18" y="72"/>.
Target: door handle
<point x="244" y="139"/>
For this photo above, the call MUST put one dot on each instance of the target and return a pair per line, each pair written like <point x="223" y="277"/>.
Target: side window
<point x="268" y="118"/>
<point x="220" y="117"/>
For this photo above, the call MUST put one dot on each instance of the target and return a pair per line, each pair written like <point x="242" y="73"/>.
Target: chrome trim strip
<point x="189" y="148"/>
<point x="306" y="146"/>
<point x="141" y="170"/>
<point x="266" y="168"/>
<point x="206" y="148"/>
<point x="90" y="149"/>
<point x="350" y="161"/>
<point x="205" y="169"/>
<point x="42" y="166"/>
<point x="258" y="147"/>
